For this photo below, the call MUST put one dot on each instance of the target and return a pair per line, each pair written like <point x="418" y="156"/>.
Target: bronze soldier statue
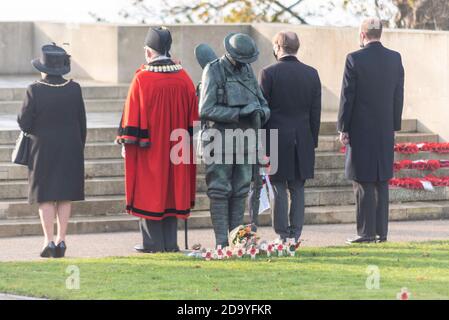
<point x="230" y="100"/>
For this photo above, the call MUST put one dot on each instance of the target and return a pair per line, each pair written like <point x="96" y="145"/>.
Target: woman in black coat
<point x="54" y="116"/>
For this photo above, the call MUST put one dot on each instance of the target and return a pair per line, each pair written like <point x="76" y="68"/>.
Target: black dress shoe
<point x="360" y="240"/>
<point x="60" y="250"/>
<point x="381" y="239"/>
<point x="49" y="251"/>
<point x="140" y="248"/>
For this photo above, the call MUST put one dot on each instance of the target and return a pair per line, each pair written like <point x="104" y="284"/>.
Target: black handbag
<point x="21" y="152"/>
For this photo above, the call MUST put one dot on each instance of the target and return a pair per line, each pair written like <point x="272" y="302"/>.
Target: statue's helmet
<point x="204" y="54"/>
<point x="241" y="47"/>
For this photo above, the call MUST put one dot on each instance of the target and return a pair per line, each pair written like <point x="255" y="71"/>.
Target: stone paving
<point x="121" y="244"/>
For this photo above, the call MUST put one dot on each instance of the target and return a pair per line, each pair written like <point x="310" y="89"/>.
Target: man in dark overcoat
<point x="293" y="92"/>
<point x="370" y="112"/>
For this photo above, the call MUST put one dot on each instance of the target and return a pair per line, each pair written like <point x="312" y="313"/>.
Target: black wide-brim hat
<point x="54" y="60"/>
<point x="159" y="39"/>
<point x="241" y="47"/>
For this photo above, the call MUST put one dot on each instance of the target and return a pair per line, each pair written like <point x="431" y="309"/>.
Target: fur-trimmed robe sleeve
<point x="134" y="123"/>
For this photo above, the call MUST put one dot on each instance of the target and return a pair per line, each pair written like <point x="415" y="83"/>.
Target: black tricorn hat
<point x="159" y="39"/>
<point x="53" y="61"/>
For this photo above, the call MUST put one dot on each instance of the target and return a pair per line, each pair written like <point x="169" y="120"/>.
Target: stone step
<point x="105" y="91"/>
<point x="398" y="212"/>
<point x="92" y="105"/>
<point x="92" y="206"/>
<point x="331" y="143"/>
<point x="317" y="196"/>
<point x="97" y="150"/>
<point x="115" y="223"/>
<point x="336" y="159"/>
<point x="93" y="169"/>
<point x="105" y="186"/>
<point x="109" y="150"/>
<point x="8" y="137"/>
<point x="97" y="131"/>
<point x="201" y="219"/>
<point x="105" y="177"/>
<point x="336" y="177"/>
<point x="98" y="167"/>
<point x="329" y="125"/>
<point x="93" y="187"/>
<point x="325" y="196"/>
<point x="77" y="225"/>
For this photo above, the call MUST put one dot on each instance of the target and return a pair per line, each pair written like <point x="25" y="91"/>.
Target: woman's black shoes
<point x="54" y="251"/>
<point x="49" y="251"/>
<point x="60" y="250"/>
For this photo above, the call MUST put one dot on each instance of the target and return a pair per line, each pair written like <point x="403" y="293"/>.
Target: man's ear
<point x="363" y="35"/>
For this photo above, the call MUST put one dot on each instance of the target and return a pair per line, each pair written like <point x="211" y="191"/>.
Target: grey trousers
<point x="372" y="205"/>
<point x="160" y="236"/>
<point x="288" y="224"/>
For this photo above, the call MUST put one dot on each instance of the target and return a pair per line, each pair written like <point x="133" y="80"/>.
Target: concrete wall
<point x="16" y="47"/>
<point x="93" y="47"/>
<point x="185" y="38"/>
<point x="111" y="53"/>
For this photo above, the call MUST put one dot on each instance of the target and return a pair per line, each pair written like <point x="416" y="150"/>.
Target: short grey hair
<point x="155" y="52"/>
<point x="372" y="27"/>
<point x="288" y="41"/>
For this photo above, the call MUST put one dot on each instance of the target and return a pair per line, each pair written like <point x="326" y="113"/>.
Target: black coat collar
<point x="53" y="79"/>
<point x="289" y="58"/>
<point x="374" y="44"/>
<point x="164" y="62"/>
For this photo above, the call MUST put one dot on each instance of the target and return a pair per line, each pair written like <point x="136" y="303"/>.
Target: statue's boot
<point x="236" y="212"/>
<point x="219" y="212"/>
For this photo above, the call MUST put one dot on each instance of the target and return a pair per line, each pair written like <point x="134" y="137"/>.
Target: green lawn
<point x="317" y="273"/>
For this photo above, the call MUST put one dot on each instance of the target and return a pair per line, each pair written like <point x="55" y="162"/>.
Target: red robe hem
<point x="178" y="216"/>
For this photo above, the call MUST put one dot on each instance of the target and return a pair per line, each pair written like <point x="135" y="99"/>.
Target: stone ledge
<point x="201" y="219"/>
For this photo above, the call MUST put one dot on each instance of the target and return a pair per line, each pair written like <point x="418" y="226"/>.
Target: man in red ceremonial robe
<point x="161" y="99"/>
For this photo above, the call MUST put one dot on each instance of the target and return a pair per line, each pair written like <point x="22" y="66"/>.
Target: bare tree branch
<point x="289" y="10"/>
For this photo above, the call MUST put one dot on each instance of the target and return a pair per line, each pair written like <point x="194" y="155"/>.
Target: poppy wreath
<point x="416" y="183"/>
<point x="436" y="147"/>
<point x="430" y="165"/>
<point x="422" y="165"/>
<point x="408" y="183"/>
<point x="406" y="148"/>
<point x="438" y="181"/>
<point x="413" y="148"/>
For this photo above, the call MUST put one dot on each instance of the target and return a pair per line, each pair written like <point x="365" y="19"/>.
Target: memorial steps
<point x="329" y="196"/>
